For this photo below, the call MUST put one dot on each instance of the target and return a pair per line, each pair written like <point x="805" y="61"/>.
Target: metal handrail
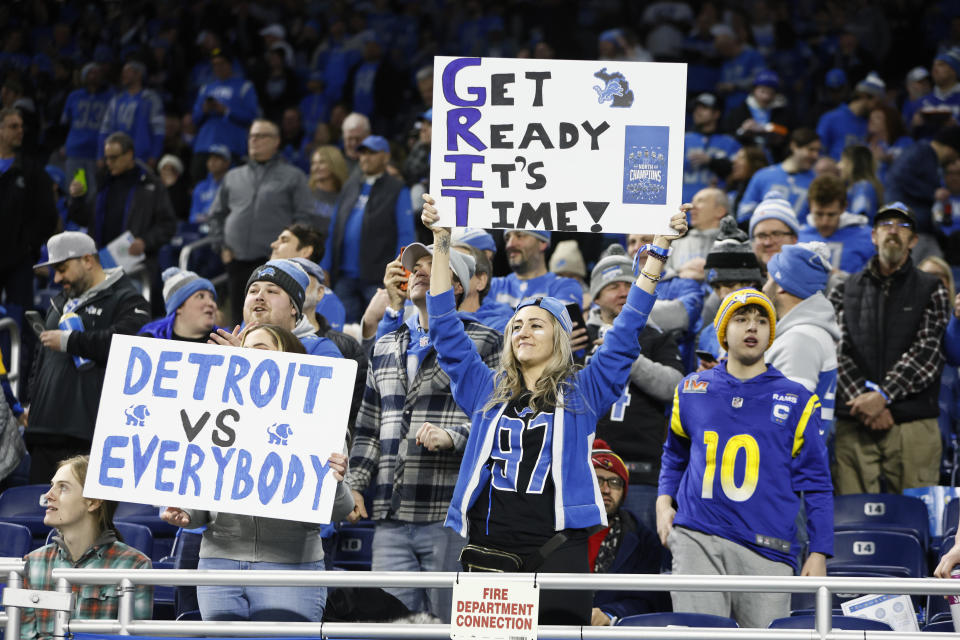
<point x="823" y="587"/>
<point x="13" y="373"/>
<point x="187" y="251"/>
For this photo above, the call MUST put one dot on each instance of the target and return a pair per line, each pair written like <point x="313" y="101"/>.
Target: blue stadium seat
<point x="951" y="515"/>
<point x="882" y="511"/>
<point x="354" y="548"/>
<point x="839" y="622"/>
<point x="884" y="552"/>
<point x="677" y="620"/>
<point x="21" y="505"/>
<point x="15" y="540"/>
<point x="136" y="536"/>
<point x="945" y="626"/>
<point x="937" y="609"/>
<point x="147" y="515"/>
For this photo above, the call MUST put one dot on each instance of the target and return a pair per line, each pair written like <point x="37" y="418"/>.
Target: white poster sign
<point x="558" y="145"/>
<point x="494" y="606"/>
<point x="896" y="611"/>
<point x="220" y="429"/>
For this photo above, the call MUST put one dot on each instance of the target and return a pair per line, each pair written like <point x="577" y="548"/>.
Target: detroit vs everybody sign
<point x="559" y="145"/>
<point x="220" y="428"/>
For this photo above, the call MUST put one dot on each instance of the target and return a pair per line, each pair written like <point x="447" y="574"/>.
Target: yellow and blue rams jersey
<point x="737" y="456"/>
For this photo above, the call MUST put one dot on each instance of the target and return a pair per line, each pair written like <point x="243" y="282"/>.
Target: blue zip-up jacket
<point x="141" y="117"/>
<point x="240" y="99"/>
<point x="577" y="498"/>
<point x="748" y="496"/>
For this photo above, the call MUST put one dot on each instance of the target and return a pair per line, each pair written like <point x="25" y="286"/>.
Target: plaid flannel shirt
<point x="915" y="370"/>
<point x="93" y="602"/>
<point x="411" y="484"/>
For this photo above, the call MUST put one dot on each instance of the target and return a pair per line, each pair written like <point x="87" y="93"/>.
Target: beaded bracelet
<point x="650" y="277"/>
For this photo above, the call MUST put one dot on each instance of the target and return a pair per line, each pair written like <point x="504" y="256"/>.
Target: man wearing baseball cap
<point x="847" y="124"/>
<point x="218" y="163"/>
<point x="717" y="521"/>
<point x="892" y="319"/>
<point x="71" y="365"/>
<point x="372" y="222"/>
<point x="224" y="108"/>
<point x="707" y="152"/>
<point x="625" y="545"/>
<point x="410" y="433"/>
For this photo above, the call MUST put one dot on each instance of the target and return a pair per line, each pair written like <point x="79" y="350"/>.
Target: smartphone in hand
<point x="35" y="320"/>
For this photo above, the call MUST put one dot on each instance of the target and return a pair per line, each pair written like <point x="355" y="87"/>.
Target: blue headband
<point x="556" y="308"/>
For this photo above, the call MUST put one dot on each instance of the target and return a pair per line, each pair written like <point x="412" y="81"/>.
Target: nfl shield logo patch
<point x="737" y="403"/>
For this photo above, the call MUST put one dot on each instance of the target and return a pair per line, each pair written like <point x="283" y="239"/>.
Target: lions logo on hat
<point x="267" y="271"/>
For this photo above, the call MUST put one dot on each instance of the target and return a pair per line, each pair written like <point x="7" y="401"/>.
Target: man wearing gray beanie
<point x="805" y="347"/>
<point x="633" y="425"/>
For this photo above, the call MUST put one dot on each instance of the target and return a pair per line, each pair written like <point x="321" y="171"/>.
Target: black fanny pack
<point x="474" y="557"/>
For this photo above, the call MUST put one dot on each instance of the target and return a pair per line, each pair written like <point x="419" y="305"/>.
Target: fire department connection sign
<point x="494" y="607"/>
<point x="220" y="428"/>
<point x="558" y="145"/>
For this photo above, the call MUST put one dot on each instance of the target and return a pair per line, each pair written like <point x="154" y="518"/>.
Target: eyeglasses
<point x="890" y="224"/>
<point x="772" y="235"/>
<point x="613" y="483"/>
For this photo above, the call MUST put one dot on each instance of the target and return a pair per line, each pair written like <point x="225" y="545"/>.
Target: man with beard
<point x="526" y="253"/>
<point x="892" y="318"/>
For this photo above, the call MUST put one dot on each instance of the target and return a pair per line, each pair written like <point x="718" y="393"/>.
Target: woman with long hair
<point x="328" y="172"/>
<point x="886" y="136"/>
<point x="235" y="541"/>
<point x="858" y="168"/>
<point x="85" y="539"/>
<point x="526" y="496"/>
<point x="745" y="162"/>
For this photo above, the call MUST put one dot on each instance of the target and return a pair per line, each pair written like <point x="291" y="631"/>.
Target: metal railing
<point x="128" y="579"/>
<point x="13" y="371"/>
<point x="188" y="250"/>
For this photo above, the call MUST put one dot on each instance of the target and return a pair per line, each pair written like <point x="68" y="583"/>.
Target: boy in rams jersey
<point x="744" y="441"/>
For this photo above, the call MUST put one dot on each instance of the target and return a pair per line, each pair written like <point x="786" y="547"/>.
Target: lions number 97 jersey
<point x="737" y="454"/>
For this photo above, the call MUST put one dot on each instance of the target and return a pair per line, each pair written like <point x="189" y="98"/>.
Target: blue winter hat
<point x="286" y="274"/>
<point x="775" y="209"/>
<point x="556" y="308"/>
<point x="179" y="285"/>
<point x="473" y="237"/>
<point x="952" y="58"/>
<point x="801" y="269"/>
<point x="767" y="78"/>
<point x="543" y="235"/>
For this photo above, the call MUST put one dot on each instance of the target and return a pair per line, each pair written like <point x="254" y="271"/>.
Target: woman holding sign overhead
<point x="526" y="495"/>
<point x="233" y="541"/>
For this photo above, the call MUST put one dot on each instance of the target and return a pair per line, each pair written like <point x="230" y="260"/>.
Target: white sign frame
<point x="153" y="445"/>
<point x="558" y="145"/>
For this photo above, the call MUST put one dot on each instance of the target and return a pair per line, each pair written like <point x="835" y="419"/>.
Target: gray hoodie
<point x="805" y="349"/>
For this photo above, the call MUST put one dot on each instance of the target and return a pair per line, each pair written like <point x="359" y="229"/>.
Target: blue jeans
<point x="355" y="294"/>
<point x="402" y="546"/>
<point x="276" y="604"/>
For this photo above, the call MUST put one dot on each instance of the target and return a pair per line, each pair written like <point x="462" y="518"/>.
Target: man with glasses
<point x="624" y="546"/>
<point x="131" y="198"/>
<point x="255" y="203"/>
<point x="892" y="318"/>
<point x="772" y="225"/>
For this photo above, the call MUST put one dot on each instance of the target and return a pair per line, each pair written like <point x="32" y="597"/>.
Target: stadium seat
<point x="354" y="548"/>
<point x="885" y="552"/>
<point x="839" y="622"/>
<point x="944" y="626"/>
<point x="15" y="540"/>
<point x="21" y="505"/>
<point x="937" y="609"/>
<point x="951" y="515"/>
<point x="882" y="511"/>
<point x="134" y="535"/>
<point x="147" y="515"/>
<point x="677" y="620"/>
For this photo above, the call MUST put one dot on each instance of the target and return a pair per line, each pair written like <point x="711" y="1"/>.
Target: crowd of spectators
<point x="292" y="139"/>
